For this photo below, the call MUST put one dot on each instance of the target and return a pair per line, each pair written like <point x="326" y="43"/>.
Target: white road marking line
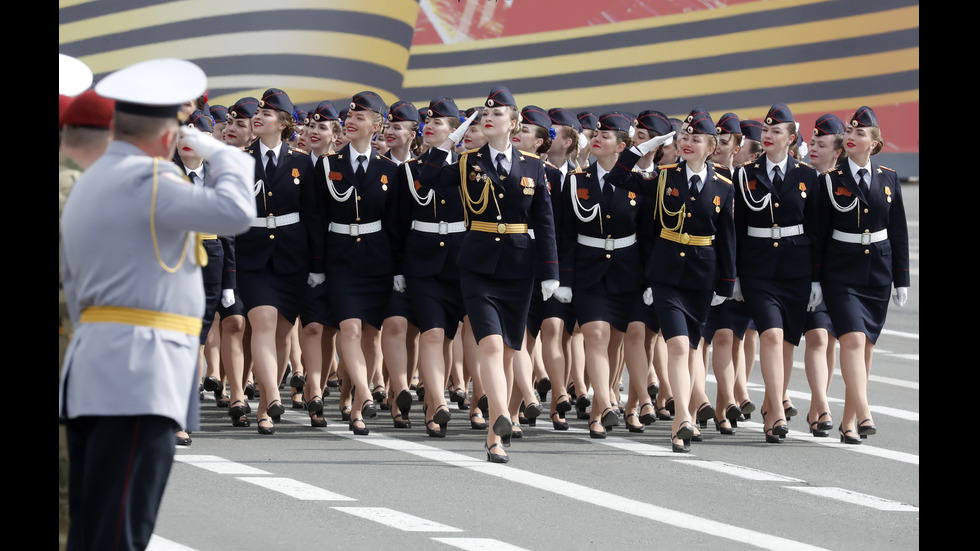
<point x="834" y="441"/>
<point x="739" y="471"/>
<point x="157" y="543"/>
<point x="893" y="412"/>
<point x="895" y="382"/>
<point x="591" y="496"/>
<point x="397" y="519"/>
<point x="631" y="446"/>
<point x="913" y="357"/>
<point x="900" y="334"/>
<point x="218" y="465"/>
<point x="864" y="500"/>
<point x="295" y="489"/>
<point x="479" y="544"/>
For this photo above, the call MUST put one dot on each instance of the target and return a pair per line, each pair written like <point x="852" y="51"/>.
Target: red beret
<point x="89" y="109"/>
<point x="63" y="103"/>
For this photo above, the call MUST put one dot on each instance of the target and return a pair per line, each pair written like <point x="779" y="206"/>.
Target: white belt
<point x="775" y="232"/>
<point x="354" y="230"/>
<point x="273" y="222"/>
<point x="607" y="244"/>
<point x="865" y="238"/>
<point x="442" y="228"/>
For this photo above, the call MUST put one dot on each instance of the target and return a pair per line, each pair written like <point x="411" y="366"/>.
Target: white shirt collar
<point x="494" y="152"/>
<point x="599" y="173"/>
<point x="199" y="171"/>
<point x="855" y="168"/>
<point x="263" y="149"/>
<point x="781" y="165"/>
<point x="703" y="174"/>
<point x="354" y="154"/>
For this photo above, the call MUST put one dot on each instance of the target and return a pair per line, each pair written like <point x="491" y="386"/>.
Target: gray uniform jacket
<point x="109" y="258"/>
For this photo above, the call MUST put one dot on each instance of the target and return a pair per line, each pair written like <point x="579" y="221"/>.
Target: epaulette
<point x="744" y="164"/>
<point x="667" y="167"/>
<point x="298" y="150"/>
<point x="808" y="165"/>
<point x="379" y="157"/>
<point x="886" y="168"/>
<point x="470" y="151"/>
<point x="526" y="154"/>
<point x="548" y="163"/>
<point x="723" y="179"/>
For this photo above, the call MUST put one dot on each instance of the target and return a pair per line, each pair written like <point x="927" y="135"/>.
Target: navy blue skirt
<point x="552" y="308"/>
<point x="646" y="314"/>
<point x="399" y="305"/>
<point x="731" y="314"/>
<point x="819" y="319"/>
<point x="359" y="297"/>
<point x="283" y="291"/>
<point x="681" y="311"/>
<point x="316" y="307"/>
<point x="857" y="308"/>
<point x="596" y="303"/>
<point x="236" y="309"/>
<point x="778" y="303"/>
<point x="497" y="306"/>
<point x="435" y="303"/>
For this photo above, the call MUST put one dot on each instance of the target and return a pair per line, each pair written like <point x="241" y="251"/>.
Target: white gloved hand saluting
<point x="205" y="146"/>
<point x="548" y="288"/>
<point x="816" y="296"/>
<point x="399" y="284"/>
<point x="717" y="299"/>
<point x="315" y="279"/>
<point x="648" y="296"/>
<point x="901" y="296"/>
<point x="563" y="295"/>
<point x="653" y="143"/>
<point x="227" y="297"/>
<point x="457" y="135"/>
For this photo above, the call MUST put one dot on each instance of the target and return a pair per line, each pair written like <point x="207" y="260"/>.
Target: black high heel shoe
<point x="705" y="412"/>
<point x="345" y="413"/>
<point x="866" y="430"/>
<point x="442" y="417"/>
<point x="379" y="393"/>
<point x="484" y="406"/>
<point x="771" y="437"/>
<point x="648" y="418"/>
<point x="664" y="415"/>
<point x="315" y="405"/>
<point x="790" y="411"/>
<point x="559" y="425"/>
<point x="610" y="417"/>
<point x="250" y="391"/>
<point x="495" y="457"/>
<point x="478" y="426"/>
<point x="434" y="433"/>
<point x="264" y="430"/>
<point x="669" y="406"/>
<point x="503" y="428"/>
<point x="722" y="429"/>
<point x="357" y="430"/>
<point x="684" y="433"/>
<point x="595" y="433"/>
<point x="732" y="413"/>
<point x="563" y="406"/>
<point x="634" y="428"/>
<point x="816" y="428"/>
<point x="317" y="420"/>
<point x="368" y="409"/>
<point x="543" y="386"/>
<point x="747" y="408"/>
<point x="398" y="420"/>
<point x="582" y="404"/>
<point x="275" y="409"/>
<point x="235" y="410"/>
<point x="298" y="404"/>
<point x="845" y="439"/>
<point x="652" y="390"/>
<point x="532" y="412"/>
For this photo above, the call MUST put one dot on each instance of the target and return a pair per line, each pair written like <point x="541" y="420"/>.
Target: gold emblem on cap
<point x="768" y="120"/>
<point x="489" y="103"/>
<point x="352" y="105"/>
<point x="854" y="123"/>
<point x="431" y="113"/>
<point x="390" y="117"/>
<point x="261" y="103"/>
<point x="815" y="132"/>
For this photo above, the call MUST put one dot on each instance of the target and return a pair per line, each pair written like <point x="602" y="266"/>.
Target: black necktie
<point x="695" y="180"/>
<point x="360" y="168"/>
<point x="777" y="180"/>
<point x="193" y="176"/>
<point x="607" y="190"/>
<point x="270" y="165"/>
<point x="864" y="185"/>
<point x="500" y="166"/>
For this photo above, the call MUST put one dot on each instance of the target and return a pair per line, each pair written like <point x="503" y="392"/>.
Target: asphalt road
<point x="307" y="488"/>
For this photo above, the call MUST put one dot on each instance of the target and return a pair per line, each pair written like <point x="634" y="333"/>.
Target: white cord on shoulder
<point x="830" y="193"/>
<point x="411" y="189"/>
<point x="749" y="200"/>
<point x="333" y="191"/>
<point x="577" y="206"/>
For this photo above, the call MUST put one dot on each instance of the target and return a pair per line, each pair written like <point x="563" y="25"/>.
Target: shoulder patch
<point x="548" y="163"/>
<point x="382" y="157"/>
<point x="804" y="163"/>
<point x="746" y="163"/>
<point x="527" y="154"/>
<point x="886" y="168"/>
<point x="723" y="179"/>
<point x="298" y="150"/>
<point x="667" y="167"/>
<point x="470" y="151"/>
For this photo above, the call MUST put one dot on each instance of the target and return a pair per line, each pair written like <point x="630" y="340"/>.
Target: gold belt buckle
<point x="685" y="238"/>
<point x="501" y="228"/>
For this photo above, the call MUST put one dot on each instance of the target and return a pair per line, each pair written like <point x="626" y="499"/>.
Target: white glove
<point x="717" y="299"/>
<point x="563" y="295"/>
<point x="205" y="146"/>
<point x="583" y="142"/>
<point x="399" y="284"/>
<point x="457" y="135"/>
<point x="227" y="297"/>
<point x="648" y="296"/>
<point x="654" y="143"/>
<point x="548" y="288"/>
<point x="816" y="297"/>
<point x="315" y="279"/>
<point x="737" y="291"/>
<point x="901" y="295"/>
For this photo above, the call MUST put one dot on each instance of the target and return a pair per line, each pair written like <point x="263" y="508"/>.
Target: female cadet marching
<point x="505" y="195"/>
<point x="866" y="252"/>
<point x="283" y="247"/>
<point x="362" y="245"/>
<point x="775" y="224"/>
<point x="433" y="220"/>
<point x="692" y="265"/>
